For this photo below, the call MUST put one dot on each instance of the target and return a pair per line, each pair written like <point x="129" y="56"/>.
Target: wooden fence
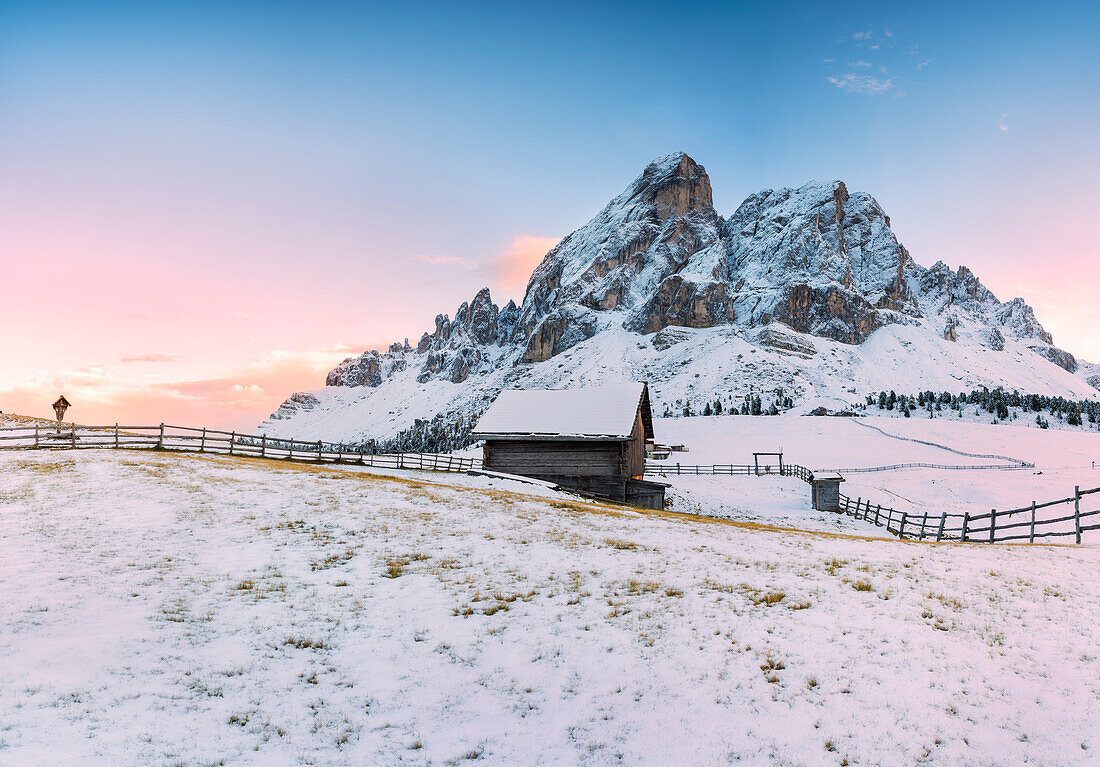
<point x="674" y="470"/>
<point x="1020" y="524"/>
<point x="993" y="527"/>
<point x="919" y="465"/>
<point x="191" y="439"/>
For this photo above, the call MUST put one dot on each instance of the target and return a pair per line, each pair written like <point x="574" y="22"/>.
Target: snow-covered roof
<point x="601" y="412"/>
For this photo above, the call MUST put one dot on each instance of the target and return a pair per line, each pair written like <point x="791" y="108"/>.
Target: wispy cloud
<point x="1001" y="123"/>
<point x="873" y="62"/>
<point x="148" y="358"/>
<point x="863" y="84"/>
<point x="505" y="272"/>
<point x="443" y="260"/>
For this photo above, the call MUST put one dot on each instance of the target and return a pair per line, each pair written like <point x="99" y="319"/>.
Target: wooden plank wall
<point x="532" y="458"/>
<point x="636" y="450"/>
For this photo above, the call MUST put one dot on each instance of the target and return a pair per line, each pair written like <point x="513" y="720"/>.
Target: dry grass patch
<point x="635" y="587"/>
<point x="395" y="567"/>
<point x="759" y="597"/>
<point x="332" y="560"/>
<point x="946" y="601"/>
<point x="304" y="643"/>
<point x="770" y="666"/>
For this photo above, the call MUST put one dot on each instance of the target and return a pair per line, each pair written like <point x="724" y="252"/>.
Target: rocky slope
<point x="805" y="290"/>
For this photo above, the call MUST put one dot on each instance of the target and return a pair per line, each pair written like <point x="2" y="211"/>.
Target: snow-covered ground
<point x="175" y="609"/>
<point x="725" y="362"/>
<point x="773" y="500"/>
<point x="1063" y="460"/>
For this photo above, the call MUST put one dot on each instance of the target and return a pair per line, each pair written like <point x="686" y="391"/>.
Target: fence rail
<point x="919" y="465"/>
<point x="667" y="470"/>
<point x="992" y="527"/>
<point x="192" y="439"/>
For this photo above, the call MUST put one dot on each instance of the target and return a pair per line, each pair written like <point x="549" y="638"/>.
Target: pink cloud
<point x="511" y="269"/>
<point x="148" y="358"/>
<point x="508" y="271"/>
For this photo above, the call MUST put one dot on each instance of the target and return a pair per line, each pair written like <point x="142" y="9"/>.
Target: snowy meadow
<point x="201" y="610"/>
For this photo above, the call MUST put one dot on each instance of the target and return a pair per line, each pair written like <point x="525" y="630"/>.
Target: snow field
<point x="1063" y="460"/>
<point x="170" y="609"/>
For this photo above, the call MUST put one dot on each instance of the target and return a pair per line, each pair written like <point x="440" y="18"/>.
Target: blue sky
<point x="372" y="164"/>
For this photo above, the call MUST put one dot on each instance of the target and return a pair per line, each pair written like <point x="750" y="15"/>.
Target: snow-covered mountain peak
<point x="615" y="263"/>
<point x="801" y="289"/>
<point x="674" y="185"/>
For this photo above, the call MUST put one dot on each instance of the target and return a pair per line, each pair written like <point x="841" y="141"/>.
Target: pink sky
<point x="205" y="331"/>
<point x="149" y="340"/>
<point x="204" y="207"/>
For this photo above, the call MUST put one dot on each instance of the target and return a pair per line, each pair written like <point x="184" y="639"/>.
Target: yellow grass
<point x="352" y="473"/>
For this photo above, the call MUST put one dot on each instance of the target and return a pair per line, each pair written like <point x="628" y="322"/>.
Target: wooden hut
<point x="592" y="440"/>
<point x="825" y="490"/>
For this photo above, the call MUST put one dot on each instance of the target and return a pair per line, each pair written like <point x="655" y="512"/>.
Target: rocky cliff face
<point x="819" y="260"/>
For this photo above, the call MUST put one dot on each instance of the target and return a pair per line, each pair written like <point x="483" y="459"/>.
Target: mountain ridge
<point x="794" y="275"/>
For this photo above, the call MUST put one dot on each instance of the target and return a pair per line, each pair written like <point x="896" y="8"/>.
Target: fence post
<point x="202" y="441"/>
<point x="901" y="529"/>
<point x="116" y="435"/>
<point x="36" y="435"/>
<point x="290" y="450"/>
<point x="858" y="500"/>
<point x="992" y="525"/>
<point x="263" y="446"/>
<point x="232" y="439"/>
<point x="923" y="522"/>
<point x="966" y="523"/>
<point x="878" y="511"/>
<point x="1031" y="538"/>
<point x="939" y="533"/>
<point x="160" y="439"/>
<point x="1077" y="511"/>
<point x="340" y="453"/>
<point x="72" y="440"/>
<point x="319" y="448"/>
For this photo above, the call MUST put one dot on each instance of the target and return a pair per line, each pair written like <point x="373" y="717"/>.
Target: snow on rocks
<point x="790" y="272"/>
